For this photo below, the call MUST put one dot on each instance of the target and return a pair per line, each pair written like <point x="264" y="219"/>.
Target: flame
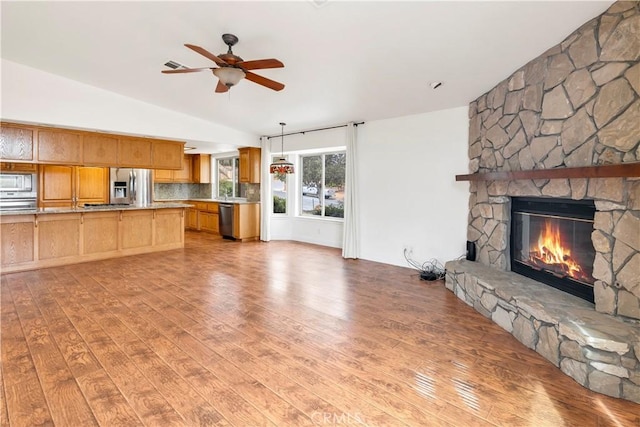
<point x="552" y="254"/>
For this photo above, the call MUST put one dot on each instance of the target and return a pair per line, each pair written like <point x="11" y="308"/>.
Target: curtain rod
<point x="314" y="130"/>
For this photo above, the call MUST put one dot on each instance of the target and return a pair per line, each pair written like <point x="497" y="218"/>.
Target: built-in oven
<point x="17" y="191"/>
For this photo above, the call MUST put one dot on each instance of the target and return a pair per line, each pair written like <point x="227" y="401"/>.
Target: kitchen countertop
<point x="40" y="211"/>
<point x="234" y="201"/>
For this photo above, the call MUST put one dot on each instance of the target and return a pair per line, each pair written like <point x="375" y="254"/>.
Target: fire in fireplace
<point x="551" y="243"/>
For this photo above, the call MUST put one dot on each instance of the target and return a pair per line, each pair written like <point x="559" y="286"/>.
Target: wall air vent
<point x="174" y="65"/>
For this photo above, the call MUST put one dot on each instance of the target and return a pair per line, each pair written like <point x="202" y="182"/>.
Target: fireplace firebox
<point x="551" y="243"/>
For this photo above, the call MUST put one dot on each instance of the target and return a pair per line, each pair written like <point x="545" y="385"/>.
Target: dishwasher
<point x="225" y="218"/>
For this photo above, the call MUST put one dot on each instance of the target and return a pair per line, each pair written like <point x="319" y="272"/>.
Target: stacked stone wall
<point x="576" y="105"/>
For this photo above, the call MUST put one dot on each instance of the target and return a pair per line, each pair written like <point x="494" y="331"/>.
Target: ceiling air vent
<point x="174" y="65"/>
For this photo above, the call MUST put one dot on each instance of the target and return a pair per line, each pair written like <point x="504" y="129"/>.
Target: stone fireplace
<point x="572" y="110"/>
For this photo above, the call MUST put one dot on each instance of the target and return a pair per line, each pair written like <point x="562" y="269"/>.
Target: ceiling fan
<point x="231" y="68"/>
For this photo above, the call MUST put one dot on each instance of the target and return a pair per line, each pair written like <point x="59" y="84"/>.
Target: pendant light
<point x="281" y="165"/>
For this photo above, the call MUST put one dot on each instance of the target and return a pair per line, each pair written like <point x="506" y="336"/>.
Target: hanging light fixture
<point x="281" y="165"/>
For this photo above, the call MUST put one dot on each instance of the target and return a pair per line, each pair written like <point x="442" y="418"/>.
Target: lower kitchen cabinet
<point x="192" y="219"/>
<point x="18" y="237"/>
<point x="208" y="221"/>
<point x="246" y="221"/>
<point x="31" y="241"/>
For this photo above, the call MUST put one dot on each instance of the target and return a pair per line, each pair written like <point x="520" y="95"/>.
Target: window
<point x="323" y="184"/>
<point x="228" y="183"/>
<point x="279" y="190"/>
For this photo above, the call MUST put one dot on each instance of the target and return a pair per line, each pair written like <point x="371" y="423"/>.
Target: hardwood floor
<point x="256" y="334"/>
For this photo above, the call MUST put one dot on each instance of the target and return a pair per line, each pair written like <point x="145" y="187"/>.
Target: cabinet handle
<point x="120" y="217"/>
<point x="82" y="218"/>
<point x="35" y="224"/>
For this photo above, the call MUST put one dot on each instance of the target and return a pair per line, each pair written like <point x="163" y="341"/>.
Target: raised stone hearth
<point x="599" y="351"/>
<point x="576" y="105"/>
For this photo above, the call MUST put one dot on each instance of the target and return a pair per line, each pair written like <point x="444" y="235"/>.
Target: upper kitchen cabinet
<point x="16" y="143"/>
<point x="59" y="146"/>
<point x="167" y="155"/>
<point x="99" y="149"/>
<point x="249" y="165"/>
<point x="183" y="175"/>
<point x="135" y="153"/>
<point x="201" y="168"/>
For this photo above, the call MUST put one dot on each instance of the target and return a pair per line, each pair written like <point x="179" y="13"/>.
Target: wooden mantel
<point x="602" y="171"/>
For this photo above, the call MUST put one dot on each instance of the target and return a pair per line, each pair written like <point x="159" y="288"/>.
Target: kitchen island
<point x="50" y="237"/>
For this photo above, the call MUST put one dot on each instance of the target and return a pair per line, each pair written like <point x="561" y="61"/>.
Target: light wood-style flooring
<point x="277" y="334"/>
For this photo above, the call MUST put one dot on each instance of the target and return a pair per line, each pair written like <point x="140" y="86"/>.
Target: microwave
<point x="17" y="183"/>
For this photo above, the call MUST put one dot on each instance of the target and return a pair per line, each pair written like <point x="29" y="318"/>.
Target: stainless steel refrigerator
<point x="131" y="186"/>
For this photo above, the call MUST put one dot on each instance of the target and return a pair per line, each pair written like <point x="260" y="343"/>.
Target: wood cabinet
<point x="18" y="167"/>
<point x="246" y="221"/>
<point x="91" y="184"/>
<point x="58" y="236"/>
<point x="208" y="221"/>
<point x="60" y="185"/>
<point x="167" y="154"/>
<point x="39" y="144"/>
<point x="192" y="222"/>
<point x="249" y="165"/>
<point x="182" y="175"/>
<point x="56" y="186"/>
<point x="134" y="153"/>
<point x="16" y="143"/>
<point x="99" y="149"/>
<point x="35" y="241"/>
<point x="18" y="240"/>
<point x="201" y="168"/>
<point x="59" y="146"/>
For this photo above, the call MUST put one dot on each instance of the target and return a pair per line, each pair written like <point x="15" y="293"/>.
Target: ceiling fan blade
<point x="186" y="70"/>
<point x="271" y="84"/>
<point x="260" y="64"/>
<point x="221" y="88"/>
<point x="207" y="54"/>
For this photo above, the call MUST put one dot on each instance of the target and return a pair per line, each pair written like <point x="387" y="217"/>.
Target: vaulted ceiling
<point x="343" y="60"/>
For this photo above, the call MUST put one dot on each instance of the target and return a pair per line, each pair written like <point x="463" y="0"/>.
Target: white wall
<point x="408" y="193"/>
<point x="33" y="96"/>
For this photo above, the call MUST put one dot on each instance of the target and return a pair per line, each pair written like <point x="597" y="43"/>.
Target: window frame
<point x="235" y="178"/>
<point x="299" y="195"/>
<point x="288" y="200"/>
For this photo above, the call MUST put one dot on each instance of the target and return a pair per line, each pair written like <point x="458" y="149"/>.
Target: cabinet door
<point x="249" y="165"/>
<point x="16" y="143"/>
<point x="62" y="147"/>
<point x="192" y="219"/>
<point x="92" y="184"/>
<point x="56" y="186"/>
<point x="167" y="154"/>
<point x="17" y="239"/>
<point x="134" y="152"/>
<point x="208" y="221"/>
<point x="58" y="236"/>
<point x="162" y="175"/>
<point x="184" y="174"/>
<point x="201" y="169"/>
<point x="98" y="149"/>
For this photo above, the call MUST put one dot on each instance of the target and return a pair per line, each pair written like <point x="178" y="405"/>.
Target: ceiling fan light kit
<point x="231" y="68"/>
<point x="281" y="166"/>
<point x="229" y="76"/>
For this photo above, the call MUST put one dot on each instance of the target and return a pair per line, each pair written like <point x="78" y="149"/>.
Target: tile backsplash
<point x="182" y="191"/>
